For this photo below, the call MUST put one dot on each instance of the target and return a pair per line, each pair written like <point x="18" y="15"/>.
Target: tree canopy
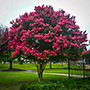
<point x="46" y="33"/>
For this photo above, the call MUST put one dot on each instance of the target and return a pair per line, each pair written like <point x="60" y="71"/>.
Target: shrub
<point x="72" y="84"/>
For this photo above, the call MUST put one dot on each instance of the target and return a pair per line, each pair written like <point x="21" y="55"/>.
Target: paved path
<point x="73" y="75"/>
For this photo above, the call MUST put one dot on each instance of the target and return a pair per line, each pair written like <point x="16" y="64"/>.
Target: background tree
<point x="5" y="53"/>
<point x="45" y="35"/>
<point x="86" y="55"/>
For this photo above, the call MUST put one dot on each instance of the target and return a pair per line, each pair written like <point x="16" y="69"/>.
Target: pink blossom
<point x="41" y="23"/>
<point x="70" y="36"/>
<point x="56" y="28"/>
<point x="44" y="60"/>
<point x="9" y="38"/>
<point x="60" y="23"/>
<point x="13" y="55"/>
<point x="76" y="45"/>
<point x="50" y="54"/>
<point x="23" y="31"/>
<point x="38" y="58"/>
<point x="11" y="46"/>
<point x="53" y="52"/>
<point x="28" y="50"/>
<point x="60" y="29"/>
<point x="61" y="35"/>
<point x="47" y="25"/>
<point x="71" y="44"/>
<point x="64" y="54"/>
<point x="73" y="57"/>
<point x="44" y="55"/>
<point x="19" y="27"/>
<point x="65" y="45"/>
<point x="66" y="26"/>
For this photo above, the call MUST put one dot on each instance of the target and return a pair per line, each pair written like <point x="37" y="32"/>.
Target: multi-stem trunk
<point x="40" y="76"/>
<point x="40" y="69"/>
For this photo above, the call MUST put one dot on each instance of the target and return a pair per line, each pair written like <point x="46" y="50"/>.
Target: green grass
<point x="13" y="80"/>
<point x="31" y="66"/>
<point x="19" y="66"/>
<point x="57" y="65"/>
<point x="56" y="68"/>
<point x="65" y="71"/>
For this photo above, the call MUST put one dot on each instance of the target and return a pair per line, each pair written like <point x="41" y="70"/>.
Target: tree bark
<point x="4" y="62"/>
<point x="40" y="72"/>
<point x="40" y="69"/>
<point x="10" y="64"/>
<point x="40" y="76"/>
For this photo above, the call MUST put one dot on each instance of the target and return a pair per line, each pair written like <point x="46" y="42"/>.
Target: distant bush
<point x="73" y="84"/>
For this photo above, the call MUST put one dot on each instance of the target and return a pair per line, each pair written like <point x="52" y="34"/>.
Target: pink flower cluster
<point x="84" y="52"/>
<point x="3" y="39"/>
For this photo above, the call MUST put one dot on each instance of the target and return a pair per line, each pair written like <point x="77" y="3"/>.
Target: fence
<point x="80" y="68"/>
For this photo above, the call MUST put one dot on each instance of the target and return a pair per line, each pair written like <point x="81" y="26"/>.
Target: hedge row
<point x="73" y="84"/>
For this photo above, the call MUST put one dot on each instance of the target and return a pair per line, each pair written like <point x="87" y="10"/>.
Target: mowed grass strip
<point x="18" y="66"/>
<point x="56" y="68"/>
<point x="13" y="80"/>
<point x="33" y="67"/>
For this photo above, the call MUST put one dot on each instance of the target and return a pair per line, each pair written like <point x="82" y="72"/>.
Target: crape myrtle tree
<point x="5" y="52"/>
<point x="46" y="35"/>
<point x="86" y="55"/>
<point x="3" y="40"/>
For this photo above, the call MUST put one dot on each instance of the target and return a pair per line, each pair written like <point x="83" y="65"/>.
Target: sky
<point x="11" y="9"/>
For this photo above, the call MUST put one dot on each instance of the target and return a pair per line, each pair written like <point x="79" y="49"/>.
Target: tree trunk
<point x="40" y="72"/>
<point x="68" y="68"/>
<point x="50" y="64"/>
<point x="4" y="62"/>
<point x="40" y="69"/>
<point x="40" y="76"/>
<point x="10" y="64"/>
<point x="62" y="64"/>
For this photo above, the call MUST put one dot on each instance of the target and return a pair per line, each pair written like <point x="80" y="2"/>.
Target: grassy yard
<point x="13" y="80"/>
<point x="30" y="66"/>
<point x="19" y="66"/>
<point x="56" y="68"/>
<point x="33" y="67"/>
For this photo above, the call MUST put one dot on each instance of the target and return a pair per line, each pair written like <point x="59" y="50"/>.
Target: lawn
<point x="56" y="68"/>
<point x="19" y="66"/>
<point x="30" y="66"/>
<point x="13" y="80"/>
<point x="33" y="67"/>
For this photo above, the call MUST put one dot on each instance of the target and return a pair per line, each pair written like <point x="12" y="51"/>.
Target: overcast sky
<point x="11" y="9"/>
